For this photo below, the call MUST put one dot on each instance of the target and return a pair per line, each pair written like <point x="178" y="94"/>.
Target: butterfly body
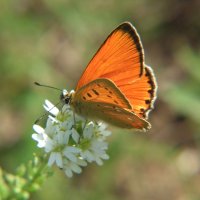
<point x="116" y="87"/>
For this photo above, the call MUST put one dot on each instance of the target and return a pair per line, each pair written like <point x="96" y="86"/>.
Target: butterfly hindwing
<point x="124" y="118"/>
<point x="121" y="117"/>
<point x="141" y="93"/>
<point x="94" y="106"/>
<point x="98" y="91"/>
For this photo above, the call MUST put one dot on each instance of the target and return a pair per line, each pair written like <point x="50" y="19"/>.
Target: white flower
<point x="93" y="140"/>
<point x="71" y="145"/>
<point x="40" y="137"/>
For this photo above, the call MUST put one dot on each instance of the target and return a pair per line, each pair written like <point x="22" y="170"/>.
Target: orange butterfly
<point x="116" y="87"/>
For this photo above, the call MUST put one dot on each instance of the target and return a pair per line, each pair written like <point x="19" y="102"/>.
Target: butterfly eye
<point x="65" y="97"/>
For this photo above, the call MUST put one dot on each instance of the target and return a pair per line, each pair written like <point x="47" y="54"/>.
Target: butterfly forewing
<point x="141" y="93"/>
<point x="119" y="58"/>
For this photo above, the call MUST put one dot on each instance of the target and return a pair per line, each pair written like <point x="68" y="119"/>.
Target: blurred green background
<point x="52" y="41"/>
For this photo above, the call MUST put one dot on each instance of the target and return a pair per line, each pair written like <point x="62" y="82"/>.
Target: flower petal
<point x="51" y="108"/>
<point x="68" y="172"/>
<point x="75" y="135"/>
<point x="38" y="129"/>
<point x="72" y="149"/>
<point x="81" y="162"/>
<point x="99" y="161"/>
<point x="76" y="168"/>
<point x="52" y="159"/>
<point x="59" y="161"/>
<point x="105" y="156"/>
<point x="87" y="155"/>
<point x="70" y="156"/>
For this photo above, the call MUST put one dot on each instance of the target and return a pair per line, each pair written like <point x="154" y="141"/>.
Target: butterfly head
<point x="66" y="96"/>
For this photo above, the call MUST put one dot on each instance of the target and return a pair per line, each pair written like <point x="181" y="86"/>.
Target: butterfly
<point x="117" y="86"/>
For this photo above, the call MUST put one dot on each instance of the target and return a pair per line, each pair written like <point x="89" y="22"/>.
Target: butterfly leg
<point x="74" y="118"/>
<point x="96" y="123"/>
<point x="86" y="121"/>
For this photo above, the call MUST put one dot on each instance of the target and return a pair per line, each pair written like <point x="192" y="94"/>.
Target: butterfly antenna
<point x="47" y="86"/>
<point x="46" y="113"/>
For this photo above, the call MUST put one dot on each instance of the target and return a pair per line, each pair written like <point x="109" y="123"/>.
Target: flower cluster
<point x="70" y="141"/>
